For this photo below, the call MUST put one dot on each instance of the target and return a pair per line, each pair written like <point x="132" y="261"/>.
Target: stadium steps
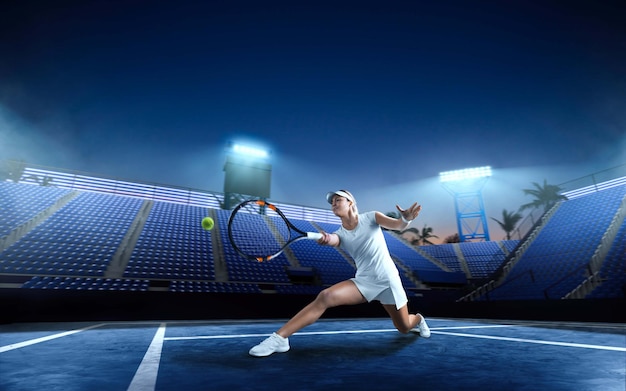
<point x="172" y="246"/>
<point x="421" y="252"/>
<point x="512" y="260"/>
<point x="17" y="233"/>
<point x="122" y="255"/>
<point x="408" y="273"/>
<point x="599" y="256"/>
<point x="425" y="270"/>
<point x="462" y="260"/>
<point x="613" y="272"/>
<point x="219" y="261"/>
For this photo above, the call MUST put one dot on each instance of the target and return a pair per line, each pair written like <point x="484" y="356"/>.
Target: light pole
<point x="466" y="186"/>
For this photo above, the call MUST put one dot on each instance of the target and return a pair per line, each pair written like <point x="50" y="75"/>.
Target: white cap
<point x="342" y="193"/>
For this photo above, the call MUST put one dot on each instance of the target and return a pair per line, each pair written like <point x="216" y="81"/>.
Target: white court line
<point x="18" y="345"/>
<point x="568" y="344"/>
<point x="318" y="333"/>
<point x="474" y="327"/>
<point x="434" y="330"/>
<point x="146" y="375"/>
<point x="265" y="335"/>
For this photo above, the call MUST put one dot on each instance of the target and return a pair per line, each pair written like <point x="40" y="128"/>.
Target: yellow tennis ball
<point x="208" y="223"/>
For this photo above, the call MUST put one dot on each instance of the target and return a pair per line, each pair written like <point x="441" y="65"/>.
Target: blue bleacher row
<point x="51" y="268"/>
<point x="86" y="283"/>
<point x="213" y="287"/>
<point x="100" y="284"/>
<point x="81" y="238"/>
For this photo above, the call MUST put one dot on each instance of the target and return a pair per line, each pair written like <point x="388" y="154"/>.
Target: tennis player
<point x="376" y="279"/>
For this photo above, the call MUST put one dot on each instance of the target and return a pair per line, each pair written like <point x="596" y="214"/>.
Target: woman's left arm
<point x="406" y="216"/>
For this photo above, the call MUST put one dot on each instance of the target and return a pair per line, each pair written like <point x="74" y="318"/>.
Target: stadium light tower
<point x="248" y="173"/>
<point x="466" y="186"/>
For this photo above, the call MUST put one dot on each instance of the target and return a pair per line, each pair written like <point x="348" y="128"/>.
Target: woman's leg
<point x="342" y="293"/>
<point x="401" y="318"/>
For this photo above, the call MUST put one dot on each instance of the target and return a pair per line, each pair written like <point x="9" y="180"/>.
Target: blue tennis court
<point x="333" y="354"/>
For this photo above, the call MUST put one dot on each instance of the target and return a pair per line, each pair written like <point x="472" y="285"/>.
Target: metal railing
<point x="598" y="181"/>
<point x="75" y="180"/>
<point x="601" y="180"/>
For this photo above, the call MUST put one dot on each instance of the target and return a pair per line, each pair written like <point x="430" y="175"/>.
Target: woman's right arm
<point x="329" y="239"/>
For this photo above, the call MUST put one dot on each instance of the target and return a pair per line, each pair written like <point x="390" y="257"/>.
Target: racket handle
<point x="314" y="235"/>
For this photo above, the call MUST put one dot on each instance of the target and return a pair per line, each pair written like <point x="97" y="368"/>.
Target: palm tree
<point x="411" y="235"/>
<point x="509" y="221"/>
<point x="454" y="238"/>
<point x="546" y="196"/>
<point x="425" y="234"/>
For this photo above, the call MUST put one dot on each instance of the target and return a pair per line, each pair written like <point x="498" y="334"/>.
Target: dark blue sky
<point x="376" y="97"/>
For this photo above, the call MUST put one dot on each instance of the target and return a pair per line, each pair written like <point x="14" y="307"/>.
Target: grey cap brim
<point x="330" y="194"/>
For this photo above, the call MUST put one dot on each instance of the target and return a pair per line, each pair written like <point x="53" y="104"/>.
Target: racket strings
<point x="279" y="229"/>
<point x="258" y="231"/>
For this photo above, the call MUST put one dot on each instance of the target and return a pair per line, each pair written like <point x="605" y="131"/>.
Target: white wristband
<point x="405" y="220"/>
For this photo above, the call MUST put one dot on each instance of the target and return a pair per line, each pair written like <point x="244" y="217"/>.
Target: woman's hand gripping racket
<point x="259" y="231"/>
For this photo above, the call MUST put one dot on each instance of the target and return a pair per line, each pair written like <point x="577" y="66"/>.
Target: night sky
<point x="375" y="97"/>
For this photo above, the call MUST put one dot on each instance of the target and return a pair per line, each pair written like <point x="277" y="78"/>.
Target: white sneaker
<point x="273" y="343"/>
<point x="422" y="328"/>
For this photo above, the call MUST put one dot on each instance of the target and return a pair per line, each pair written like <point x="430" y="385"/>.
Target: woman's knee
<point x="401" y="319"/>
<point x="332" y="297"/>
<point x="403" y="328"/>
<point x="325" y="297"/>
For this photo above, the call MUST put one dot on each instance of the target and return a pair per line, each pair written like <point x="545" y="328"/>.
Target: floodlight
<point x="466" y="173"/>
<point x="248" y="173"/>
<point x="250" y="151"/>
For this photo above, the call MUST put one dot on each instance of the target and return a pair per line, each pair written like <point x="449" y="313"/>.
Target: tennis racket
<point x="259" y="231"/>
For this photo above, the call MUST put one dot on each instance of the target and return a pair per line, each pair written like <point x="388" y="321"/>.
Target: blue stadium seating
<point x="330" y="265"/>
<point x="422" y="268"/>
<point x="445" y="254"/>
<point x="408" y="255"/>
<point x="296" y="289"/>
<point x="173" y="245"/>
<point x="510" y="245"/>
<point x="72" y="248"/>
<point x="243" y="270"/>
<point x="555" y="262"/>
<point x="19" y="203"/>
<point x="82" y="283"/>
<point x="212" y="286"/>
<point x="78" y="240"/>
<point x="483" y="258"/>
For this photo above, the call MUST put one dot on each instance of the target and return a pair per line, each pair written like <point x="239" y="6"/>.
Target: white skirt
<point x="387" y="292"/>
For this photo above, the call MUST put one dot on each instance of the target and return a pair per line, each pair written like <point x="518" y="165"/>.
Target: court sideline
<point x="333" y="354"/>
